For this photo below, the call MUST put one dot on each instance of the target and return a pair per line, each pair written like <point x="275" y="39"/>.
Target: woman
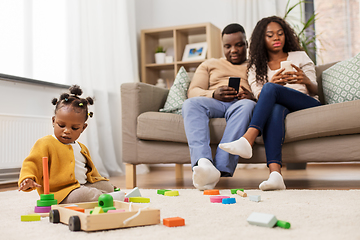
<point x="278" y="93"/>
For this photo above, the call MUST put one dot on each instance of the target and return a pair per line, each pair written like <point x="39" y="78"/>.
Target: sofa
<point x="329" y="133"/>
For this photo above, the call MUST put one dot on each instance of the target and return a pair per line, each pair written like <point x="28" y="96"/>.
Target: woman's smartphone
<point x="234" y="82"/>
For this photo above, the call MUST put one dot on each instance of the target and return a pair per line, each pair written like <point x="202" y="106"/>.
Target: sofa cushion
<point x="322" y="121"/>
<point x="341" y="82"/>
<point x="170" y="127"/>
<point x="178" y="93"/>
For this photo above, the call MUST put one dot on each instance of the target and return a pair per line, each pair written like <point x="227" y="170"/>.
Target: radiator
<point x="17" y="136"/>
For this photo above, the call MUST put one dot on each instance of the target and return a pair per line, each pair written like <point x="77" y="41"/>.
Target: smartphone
<point x="234" y="82"/>
<point x="287" y="66"/>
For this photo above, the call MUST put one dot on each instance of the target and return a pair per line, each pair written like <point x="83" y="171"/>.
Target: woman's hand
<point x="279" y="77"/>
<point x="28" y="183"/>
<point x="297" y="77"/>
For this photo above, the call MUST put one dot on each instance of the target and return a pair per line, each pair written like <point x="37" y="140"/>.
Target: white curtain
<point x="101" y="56"/>
<point x="249" y="12"/>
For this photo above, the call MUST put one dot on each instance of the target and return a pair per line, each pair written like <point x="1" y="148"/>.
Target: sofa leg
<point x="179" y="171"/>
<point x="130" y="173"/>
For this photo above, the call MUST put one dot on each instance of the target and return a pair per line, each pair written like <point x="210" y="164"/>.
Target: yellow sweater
<point x="61" y="167"/>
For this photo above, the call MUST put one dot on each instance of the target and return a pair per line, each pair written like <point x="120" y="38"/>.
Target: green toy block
<point x="105" y="200"/>
<point x="139" y="200"/>
<point x="117" y="190"/>
<point x="283" y="224"/>
<point x="162" y="191"/>
<point x="47" y="196"/>
<point x="233" y="191"/>
<point x="30" y="217"/>
<point x="171" y="193"/>
<point x="106" y="209"/>
<point x="46" y="203"/>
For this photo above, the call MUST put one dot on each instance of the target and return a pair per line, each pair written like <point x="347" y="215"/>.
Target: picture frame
<point x="195" y="51"/>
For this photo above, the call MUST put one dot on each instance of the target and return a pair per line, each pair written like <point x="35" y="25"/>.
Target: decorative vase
<point x="160" y="58"/>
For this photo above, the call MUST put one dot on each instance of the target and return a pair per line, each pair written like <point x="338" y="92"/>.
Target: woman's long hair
<point x="258" y="53"/>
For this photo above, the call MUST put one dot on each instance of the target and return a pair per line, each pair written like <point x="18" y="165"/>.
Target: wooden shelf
<point x="175" y="39"/>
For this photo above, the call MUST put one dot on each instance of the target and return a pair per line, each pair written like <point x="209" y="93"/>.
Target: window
<point x="33" y="39"/>
<point x="337" y="26"/>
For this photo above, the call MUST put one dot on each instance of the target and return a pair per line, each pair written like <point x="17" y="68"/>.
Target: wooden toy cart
<point x="134" y="215"/>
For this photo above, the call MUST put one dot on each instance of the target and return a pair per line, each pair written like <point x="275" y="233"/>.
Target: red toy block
<point x="174" y="222"/>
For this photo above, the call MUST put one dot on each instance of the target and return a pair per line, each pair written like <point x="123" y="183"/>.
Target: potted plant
<point x="160" y="55"/>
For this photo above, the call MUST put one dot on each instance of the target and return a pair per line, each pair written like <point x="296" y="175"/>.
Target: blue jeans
<point x="275" y="102"/>
<point x="196" y="113"/>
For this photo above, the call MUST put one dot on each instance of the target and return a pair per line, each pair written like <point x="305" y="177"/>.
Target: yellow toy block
<point x="139" y="199"/>
<point x="30" y="217"/>
<point x="97" y="210"/>
<point x="171" y="193"/>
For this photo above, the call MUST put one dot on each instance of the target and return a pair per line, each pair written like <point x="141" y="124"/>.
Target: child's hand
<point x="28" y="183"/>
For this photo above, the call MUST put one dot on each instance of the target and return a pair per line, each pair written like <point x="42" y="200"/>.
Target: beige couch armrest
<point x="137" y="98"/>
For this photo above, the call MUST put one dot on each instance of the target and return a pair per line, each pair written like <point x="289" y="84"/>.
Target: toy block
<point x="47" y="196"/>
<point x="234" y="191"/>
<point x="139" y="199"/>
<point x="228" y="201"/>
<point x="283" y="224"/>
<point x="171" y="193"/>
<point x="46" y="209"/>
<point x="45" y="175"/>
<point x="116" y="211"/>
<point x="134" y="193"/>
<point x="97" y="210"/>
<point x="212" y="192"/>
<point x="117" y="190"/>
<point x="76" y="209"/>
<point x="240" y="193"/>
<point x="105" y="200"/>
<point x="46" y="203"/>
<point x="262" y="219"/>
<point x="255" y="198"/>
<point x="126" y="199"/>
<point x="162" y="191"/>
<point x="30" y="217"/>
<point x="174" y="222"/>
<point x="71" y="205"/>
<point x="217" y="199"/>
<point x="106" y="209"/>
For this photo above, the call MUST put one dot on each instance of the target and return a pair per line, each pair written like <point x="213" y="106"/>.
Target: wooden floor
<point x="316" y="176"/>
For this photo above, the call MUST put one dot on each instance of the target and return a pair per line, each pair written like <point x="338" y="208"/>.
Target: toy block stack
<point x="46" y="200"/>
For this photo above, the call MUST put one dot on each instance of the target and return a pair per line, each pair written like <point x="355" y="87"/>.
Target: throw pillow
<point x="177" y="93"/>
<point x="341" y="82"/>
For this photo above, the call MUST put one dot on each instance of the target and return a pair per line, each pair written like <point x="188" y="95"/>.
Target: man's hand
<point x="225" y="94"/>
<point x="28" y="183"/>
<point x="245" y="94"/>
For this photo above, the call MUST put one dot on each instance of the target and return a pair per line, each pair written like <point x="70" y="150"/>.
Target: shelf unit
<point x="174" y="40"/>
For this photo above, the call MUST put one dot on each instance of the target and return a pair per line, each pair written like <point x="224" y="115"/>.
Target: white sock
<point x="275" y="182"/>
<point x="205" y="175"/>
<point x="239" y="147"/>
<point x="119" y="195"/>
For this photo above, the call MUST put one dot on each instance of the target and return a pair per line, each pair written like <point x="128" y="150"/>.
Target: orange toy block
<point x="45" y="175"/>
<point x="212" y="192"/>
<point x="76" y="209"/>
<point x="174" y="222"/>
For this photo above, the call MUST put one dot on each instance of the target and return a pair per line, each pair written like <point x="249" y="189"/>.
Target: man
<point x="210" y="97"/>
